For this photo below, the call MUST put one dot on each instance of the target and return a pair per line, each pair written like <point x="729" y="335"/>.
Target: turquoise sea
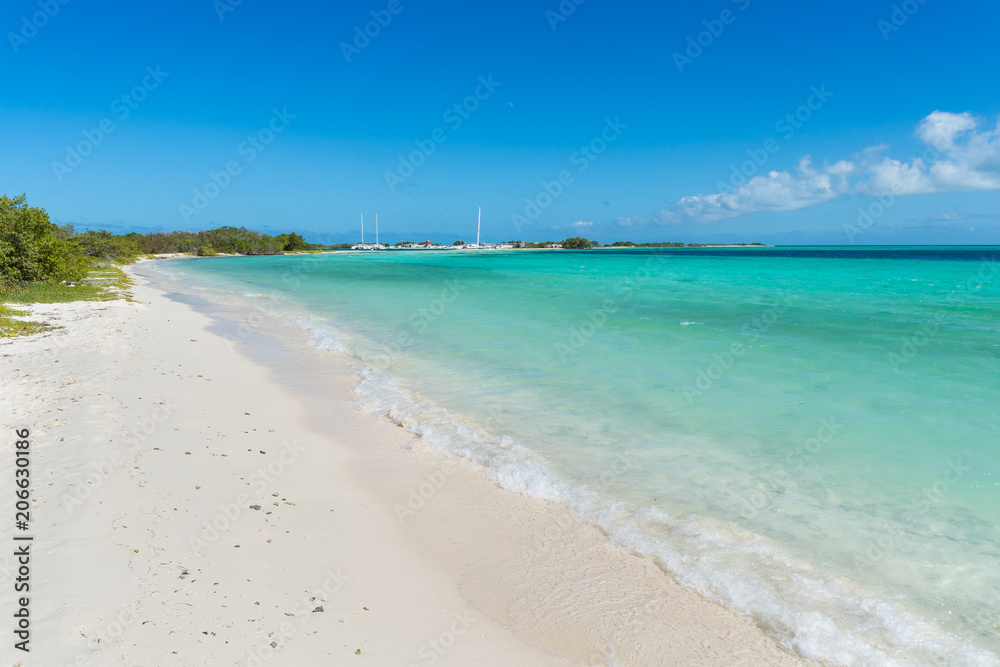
<point x="807" y="435"/>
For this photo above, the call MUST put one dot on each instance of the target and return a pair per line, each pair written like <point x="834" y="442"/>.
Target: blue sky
<point x="642" y="121"/>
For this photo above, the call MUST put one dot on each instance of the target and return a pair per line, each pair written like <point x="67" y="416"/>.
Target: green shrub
<point x="30" y="249"/>
<point x="577" y="243"/>
<point x="104" y="245"/>
<point x="291" y="242"/>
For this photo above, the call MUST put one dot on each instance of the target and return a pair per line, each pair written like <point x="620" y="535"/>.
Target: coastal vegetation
<point x="35" y="250"/>
<point x="579" y="243"/>
<point x="12" y="325"/>
<point x="32" y="248"/>
<point x="228" y="240"/>
<point x="41" y="262"/>
<point x="100" y="283"/>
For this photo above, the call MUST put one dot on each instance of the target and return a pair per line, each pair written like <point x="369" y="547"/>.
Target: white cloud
<point x="899" y="177"/>
<point x="959" y="157"/>
<point x="947" y="217"/>
<point x="632" y="222"/>
<point x="777" y="191"/>
<point x="940" y="128"/>
<point x="579" y="225"/>
<point x="956" y="216"/>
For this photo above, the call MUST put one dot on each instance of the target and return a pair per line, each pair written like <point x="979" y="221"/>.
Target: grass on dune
<point x="10" y="326"/>
<point x="46" y="293"/>
<point x="103" y="283"/>
<point x="106" y="283"/>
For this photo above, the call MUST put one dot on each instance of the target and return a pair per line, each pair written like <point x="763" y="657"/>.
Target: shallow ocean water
<point x="807" y="435"/>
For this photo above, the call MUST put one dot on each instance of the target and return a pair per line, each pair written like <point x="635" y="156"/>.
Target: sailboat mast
<point x="479" y="224"/>
<point x="376" y="229"/>
<point x="362" y="229"/>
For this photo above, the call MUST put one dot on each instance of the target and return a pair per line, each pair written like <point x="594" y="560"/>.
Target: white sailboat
<point x="479" y="224"/>
<point x="368" y="246"/>
<point x="377" y="246"/>
<point x="361" y="246"/>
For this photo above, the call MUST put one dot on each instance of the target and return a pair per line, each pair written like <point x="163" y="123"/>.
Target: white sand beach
<point x="194" y="506"/>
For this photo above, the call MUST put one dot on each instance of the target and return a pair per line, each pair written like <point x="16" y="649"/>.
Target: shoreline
<point x="397" y="585"/>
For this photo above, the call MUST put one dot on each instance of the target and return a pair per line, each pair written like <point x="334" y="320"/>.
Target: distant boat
<point x="368" y="246"/>
<point x="479" y="224"/>
<point x="361" y="246"/>
<point x="377" y="246"/>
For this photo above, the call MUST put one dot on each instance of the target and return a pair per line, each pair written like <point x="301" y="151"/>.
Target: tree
<point x="65" y="232"/>
<point x="105" y="245"/>
<point x="239" y="241"/>
<point x="156" y="243"/>
<point x="576" y="243"/>
<point x="295" y="242"/>
<point x="459" y="243"/>
<point x="291" y="242"/>
<point x="29" y="247"/>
